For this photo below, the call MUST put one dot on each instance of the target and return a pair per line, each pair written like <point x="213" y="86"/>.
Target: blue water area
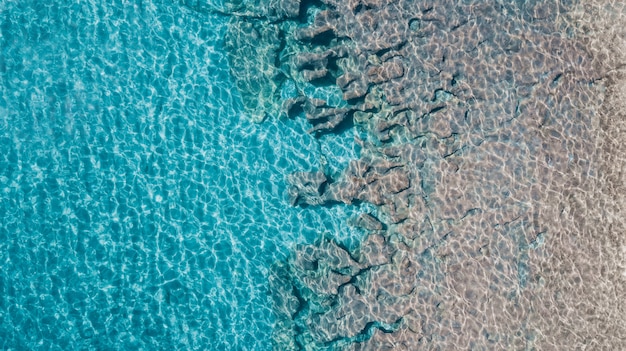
<point x="139" y="208"/>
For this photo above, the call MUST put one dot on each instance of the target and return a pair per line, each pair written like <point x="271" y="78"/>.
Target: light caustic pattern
<point x="492" y="149"/>
<point x="139" y="209"/>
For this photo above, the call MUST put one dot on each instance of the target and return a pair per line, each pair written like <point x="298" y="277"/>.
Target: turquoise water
<point x="139" y="208"/>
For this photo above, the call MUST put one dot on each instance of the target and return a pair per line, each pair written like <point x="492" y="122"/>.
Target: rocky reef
<point x="492" y="152"/>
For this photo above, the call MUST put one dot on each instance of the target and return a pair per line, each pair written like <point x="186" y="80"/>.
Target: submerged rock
<point x="253" y="47"/>
<point x="484" y="131"/>
<point x="315" y="33"/>
<point x="367" y="221"/>
<point x="285" y="9"/>
<point x="477" y="144"/>
<point x="307" y="188"/>
<point x="294" y="106"/>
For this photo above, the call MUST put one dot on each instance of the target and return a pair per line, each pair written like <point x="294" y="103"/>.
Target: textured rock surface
<point x="253" y="46"/>
<point x="367" y="221"/>
<point x="306" y="188"/>
<point x="493" y="150"/>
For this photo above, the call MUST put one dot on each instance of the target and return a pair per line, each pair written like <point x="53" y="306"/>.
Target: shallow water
<point x="140" y="208"/>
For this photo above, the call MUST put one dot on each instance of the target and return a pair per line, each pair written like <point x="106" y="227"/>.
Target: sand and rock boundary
<point x="494" y="152"/>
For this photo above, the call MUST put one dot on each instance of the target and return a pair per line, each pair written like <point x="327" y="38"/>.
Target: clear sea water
<point x="139" y="208"/>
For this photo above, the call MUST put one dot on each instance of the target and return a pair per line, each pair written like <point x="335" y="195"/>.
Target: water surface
<point x="139" y="208"/>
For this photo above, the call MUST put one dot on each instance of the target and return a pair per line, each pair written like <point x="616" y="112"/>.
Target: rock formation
<point x="492" y="154"/>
